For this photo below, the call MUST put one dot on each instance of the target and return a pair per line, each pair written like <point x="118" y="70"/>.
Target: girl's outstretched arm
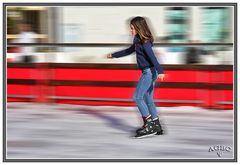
<point x="124" y="52"/>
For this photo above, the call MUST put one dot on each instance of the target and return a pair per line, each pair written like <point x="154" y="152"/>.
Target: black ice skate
<point x="144" y="123"/>
<point x="158" y="126"/>
<point x="148" y="130"/>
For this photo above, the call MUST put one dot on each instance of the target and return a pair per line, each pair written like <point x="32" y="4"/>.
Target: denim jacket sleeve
<point x="124" y="52"/>
<point x="148" y="50"/>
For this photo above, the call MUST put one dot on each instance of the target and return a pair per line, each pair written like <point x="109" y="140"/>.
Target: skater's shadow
<point x="111" y="121"/>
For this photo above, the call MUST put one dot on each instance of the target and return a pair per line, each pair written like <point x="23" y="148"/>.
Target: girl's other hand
<point x="161" y="76"/>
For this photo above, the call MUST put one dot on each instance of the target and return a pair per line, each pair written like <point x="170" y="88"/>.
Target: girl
<point x="151" y="70"/>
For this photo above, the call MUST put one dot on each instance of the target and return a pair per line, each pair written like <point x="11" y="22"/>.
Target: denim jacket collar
<point x="136" y="40"/>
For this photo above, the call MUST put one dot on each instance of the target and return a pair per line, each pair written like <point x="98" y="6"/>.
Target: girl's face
<point x="132" y="30"/>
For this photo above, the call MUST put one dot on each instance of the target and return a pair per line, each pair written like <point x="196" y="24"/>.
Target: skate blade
<point x="159" y="133"/>
<point x="145" y="136"/>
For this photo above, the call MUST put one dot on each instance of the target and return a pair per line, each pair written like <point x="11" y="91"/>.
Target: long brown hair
<point x="142" y="29"/>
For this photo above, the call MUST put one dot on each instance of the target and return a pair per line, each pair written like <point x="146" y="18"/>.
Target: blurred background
<point x="60" y="54"/>
<point x="65" y="99"/>
<point x="108" y="24"/>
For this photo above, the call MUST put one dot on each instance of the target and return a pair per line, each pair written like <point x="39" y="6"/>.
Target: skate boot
<point x="148" y="130"/>
<point x="158" y="126"/>
<point x="144" y="123"/>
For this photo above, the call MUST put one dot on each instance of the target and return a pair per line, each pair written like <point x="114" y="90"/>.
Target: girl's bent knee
<point x="137" y="98"/>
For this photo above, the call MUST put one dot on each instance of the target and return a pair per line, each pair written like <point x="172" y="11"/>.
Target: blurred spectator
<point x="193" y="54"/>
<point x="25" y="35"/>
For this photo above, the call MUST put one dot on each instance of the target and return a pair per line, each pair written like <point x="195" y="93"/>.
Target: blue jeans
<point x="143" y="95"/>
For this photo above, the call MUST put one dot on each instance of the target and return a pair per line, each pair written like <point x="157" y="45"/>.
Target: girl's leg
<point x="143" y="85"/>
<point x="149" y="97"/>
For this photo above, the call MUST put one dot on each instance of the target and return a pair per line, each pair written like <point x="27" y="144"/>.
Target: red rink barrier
<point x="104" y="85"/>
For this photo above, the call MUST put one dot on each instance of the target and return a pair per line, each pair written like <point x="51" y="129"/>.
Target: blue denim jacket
<point x="144" y="53"/>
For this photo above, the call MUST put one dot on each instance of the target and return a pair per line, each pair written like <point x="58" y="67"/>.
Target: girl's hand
<point x="161" y="76"/>
<point x="109" y="56"/>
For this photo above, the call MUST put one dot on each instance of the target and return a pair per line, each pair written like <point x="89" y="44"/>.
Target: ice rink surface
<point x="61" y="131"/>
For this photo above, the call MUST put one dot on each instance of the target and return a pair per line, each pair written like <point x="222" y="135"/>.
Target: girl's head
<point x="140" y="29"/>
